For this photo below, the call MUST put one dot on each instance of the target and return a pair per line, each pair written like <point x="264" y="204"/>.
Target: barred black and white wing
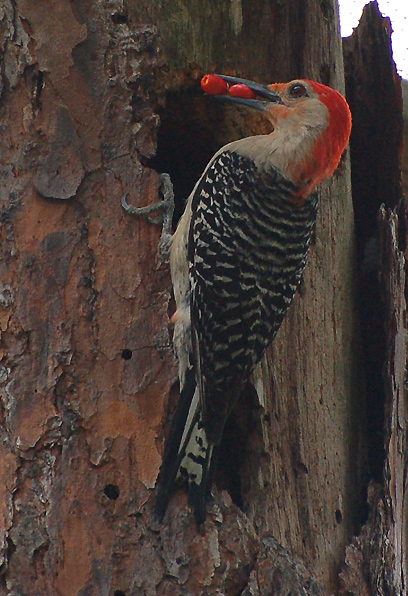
<point x="238" y="256"/>
<point x="247" y="250"/>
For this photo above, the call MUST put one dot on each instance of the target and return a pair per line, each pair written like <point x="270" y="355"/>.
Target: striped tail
<point x="188" y="456"/>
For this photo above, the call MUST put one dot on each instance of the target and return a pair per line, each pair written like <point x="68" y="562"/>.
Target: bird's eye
<point x="298" y="90"/>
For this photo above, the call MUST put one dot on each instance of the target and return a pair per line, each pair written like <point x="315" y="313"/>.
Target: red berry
<point x="241" y="90"/>
<point x="214" y="85"/>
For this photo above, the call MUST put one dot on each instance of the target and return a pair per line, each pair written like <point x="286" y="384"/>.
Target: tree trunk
<point x="376" y="561"/>
<point x="98" y="98"/>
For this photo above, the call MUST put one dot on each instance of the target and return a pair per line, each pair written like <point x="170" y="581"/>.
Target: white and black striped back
<point x="248" y="246"/>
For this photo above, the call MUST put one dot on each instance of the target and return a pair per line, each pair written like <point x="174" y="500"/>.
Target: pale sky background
<point x="397" y="10"/>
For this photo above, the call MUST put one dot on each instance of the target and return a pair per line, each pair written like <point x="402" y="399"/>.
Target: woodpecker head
<point x="312" y="125"/>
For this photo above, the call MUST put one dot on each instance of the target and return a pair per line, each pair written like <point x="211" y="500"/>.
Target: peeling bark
<point x="77" y="416"/>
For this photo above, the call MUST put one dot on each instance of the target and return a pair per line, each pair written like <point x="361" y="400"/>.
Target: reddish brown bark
<point x="78" y="417"/>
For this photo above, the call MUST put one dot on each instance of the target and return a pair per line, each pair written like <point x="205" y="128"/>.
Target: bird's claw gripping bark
<point x="166" y="206"/>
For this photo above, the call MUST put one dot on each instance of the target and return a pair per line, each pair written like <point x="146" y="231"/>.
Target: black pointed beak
<point x="260" y="90"/>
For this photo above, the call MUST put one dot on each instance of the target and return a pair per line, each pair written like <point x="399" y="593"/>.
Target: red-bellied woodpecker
<point x="236" y="259"/>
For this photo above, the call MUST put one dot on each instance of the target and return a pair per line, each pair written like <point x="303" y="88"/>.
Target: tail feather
<point x="188" y="456"/>
<point x="195" y="467"/>
<point x="172" y="457"/>
<point x="198" y="491"/>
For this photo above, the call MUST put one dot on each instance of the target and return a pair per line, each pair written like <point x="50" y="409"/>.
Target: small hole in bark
<point x="112" y="491"/>
<point x="302" y="467"/>
<point x="339" y="516"/>
<point x="119" y="19"/>
<point x="119" y="593"/>
<point x="126" y="354"/>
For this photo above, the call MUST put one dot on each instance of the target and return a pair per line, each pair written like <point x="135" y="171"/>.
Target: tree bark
<point x="98" y="98"/>
<point x="376" y="561"/>
<point x="404" y="167"/>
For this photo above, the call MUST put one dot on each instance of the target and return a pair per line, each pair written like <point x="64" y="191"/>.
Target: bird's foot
<point x="166" y="207"/>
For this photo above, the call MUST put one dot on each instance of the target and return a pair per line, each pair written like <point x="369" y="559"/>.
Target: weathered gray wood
<point x="376" y="561"/>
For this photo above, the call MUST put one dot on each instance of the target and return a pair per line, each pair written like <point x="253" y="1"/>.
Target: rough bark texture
<point x="79" y="296"/>
<point x="97" y="97"/>
<point x="376" y="561"/>
<point x="405" y="150"/>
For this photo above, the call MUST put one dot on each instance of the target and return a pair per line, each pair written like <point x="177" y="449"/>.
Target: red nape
<point x="335" y="139"/>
